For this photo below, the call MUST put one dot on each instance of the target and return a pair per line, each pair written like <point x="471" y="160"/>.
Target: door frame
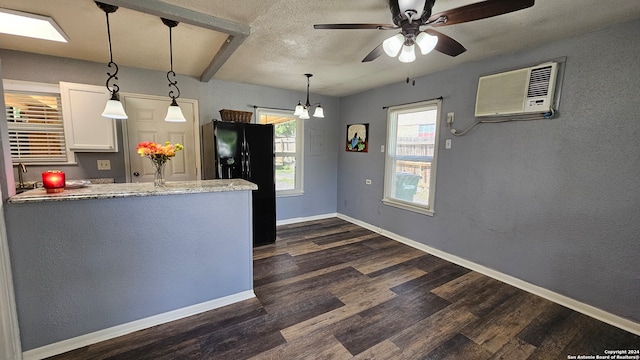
<point x="125" y="131"/>
<point x="9" y="330"/>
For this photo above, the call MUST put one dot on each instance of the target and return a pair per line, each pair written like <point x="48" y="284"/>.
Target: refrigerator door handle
<point x="248" y="161"/>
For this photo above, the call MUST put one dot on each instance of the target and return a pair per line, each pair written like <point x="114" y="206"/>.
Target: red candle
<point x="53" y="181"/>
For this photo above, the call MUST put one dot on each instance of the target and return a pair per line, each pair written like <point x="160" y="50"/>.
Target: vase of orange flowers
<point x="159" y="155"/>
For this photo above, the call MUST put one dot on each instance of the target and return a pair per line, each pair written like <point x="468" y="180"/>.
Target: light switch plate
<point x="104" y="164"/>
<point x="450" y="117"/>
<point x="447" y="144"/>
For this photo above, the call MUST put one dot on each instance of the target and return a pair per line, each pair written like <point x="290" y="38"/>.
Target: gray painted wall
<point x="555" y="203"/>
<point x="94" y="264"/>
<point x="319" y="166"/>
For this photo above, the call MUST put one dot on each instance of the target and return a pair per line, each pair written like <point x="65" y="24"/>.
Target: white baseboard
<point x="113" y="332"/>
<point x="303" y="219"/>
<point x="578" y="306"/>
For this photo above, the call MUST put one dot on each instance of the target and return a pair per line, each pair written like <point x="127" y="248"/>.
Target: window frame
<point x="298" y="189"/>
<point x="41" y="88"/>
<point x="389" y="167"/>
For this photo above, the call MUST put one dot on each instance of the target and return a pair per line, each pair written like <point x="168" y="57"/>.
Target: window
<point x="35" y="124"/>
<point x="288" y="149"/>
<point x="410" y="162"/>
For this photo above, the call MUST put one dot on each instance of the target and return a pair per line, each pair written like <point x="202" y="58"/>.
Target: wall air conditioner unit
<point x="517" y="92"/>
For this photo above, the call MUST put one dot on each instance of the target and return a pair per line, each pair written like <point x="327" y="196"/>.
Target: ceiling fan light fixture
<point x="412" y="8"/>
<point x="408" y="54"/>
<point x="392" y="45"/>
<point x="426" y="42"/>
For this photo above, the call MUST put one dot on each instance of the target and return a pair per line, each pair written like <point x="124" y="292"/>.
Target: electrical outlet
<point x="447" y="144"/>
<point x="450" y="117"/>
<point x="104" y="164"/>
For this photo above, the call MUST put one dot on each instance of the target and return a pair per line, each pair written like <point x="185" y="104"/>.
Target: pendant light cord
<point x="308" y="104"/>
<point x="109" y="37"/>
<point x="172" y="83"/>
<point x="171" y="49"/>
<point x="114" y="88"/>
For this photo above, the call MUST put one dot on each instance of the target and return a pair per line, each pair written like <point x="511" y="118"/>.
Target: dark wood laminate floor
<point x="329" y="289"/>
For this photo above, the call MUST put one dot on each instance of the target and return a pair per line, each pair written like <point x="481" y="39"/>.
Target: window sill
<point x="408" y="206"/>
<point x="288" y="193"/>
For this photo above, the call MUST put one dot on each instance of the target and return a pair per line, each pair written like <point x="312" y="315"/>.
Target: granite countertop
<point x="120" y="190"/>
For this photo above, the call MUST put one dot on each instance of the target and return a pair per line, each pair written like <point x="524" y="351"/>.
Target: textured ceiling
<point x="282" y="44"/>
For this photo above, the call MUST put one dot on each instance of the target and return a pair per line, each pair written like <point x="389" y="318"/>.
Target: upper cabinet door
<point x="85" y="128"/>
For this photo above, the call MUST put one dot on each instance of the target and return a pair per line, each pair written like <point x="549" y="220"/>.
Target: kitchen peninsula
<point x="107" y="259"/>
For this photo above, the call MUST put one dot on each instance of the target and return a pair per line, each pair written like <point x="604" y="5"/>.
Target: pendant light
<point x="114" y="108"/>
<point x="174" y="113"/>
<point x="302" y="111"/>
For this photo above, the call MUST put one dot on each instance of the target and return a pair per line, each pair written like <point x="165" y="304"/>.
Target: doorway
<point x="146" y="123"/>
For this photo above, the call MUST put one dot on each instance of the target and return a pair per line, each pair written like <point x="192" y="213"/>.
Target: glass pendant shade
<point x="305" y="114"/>
<point x="299" y="110"/>
<point x="392" y="45"/>
<point x="408" y="54"/>
<point x="426" y="42"/>
<point x="319" y="113"/>
<point x="174" y="113"/>
<point x="114" y="109"/>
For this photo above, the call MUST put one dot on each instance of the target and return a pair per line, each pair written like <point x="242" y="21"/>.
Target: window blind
<point x="36" y="128"/>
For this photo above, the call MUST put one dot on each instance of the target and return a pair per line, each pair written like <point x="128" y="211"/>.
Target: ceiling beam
<point x="237" y="32"/>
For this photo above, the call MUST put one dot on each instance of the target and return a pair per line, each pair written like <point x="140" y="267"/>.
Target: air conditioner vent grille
<point x="539" y="82"/>
<point x="517" y="92"/>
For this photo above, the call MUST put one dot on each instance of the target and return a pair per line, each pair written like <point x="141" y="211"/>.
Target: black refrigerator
<point x="233" y="150"/>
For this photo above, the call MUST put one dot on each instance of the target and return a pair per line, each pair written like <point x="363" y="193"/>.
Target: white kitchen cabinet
<point x="85" y="128"/>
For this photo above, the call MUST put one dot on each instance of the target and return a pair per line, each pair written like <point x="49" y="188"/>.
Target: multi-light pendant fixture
<point x="302" y="110"/>
<point x="114" y="108"/>
<point x="174" y="113"/>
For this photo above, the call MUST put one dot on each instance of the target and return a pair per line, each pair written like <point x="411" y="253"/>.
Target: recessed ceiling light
<point x="31" y="25"/>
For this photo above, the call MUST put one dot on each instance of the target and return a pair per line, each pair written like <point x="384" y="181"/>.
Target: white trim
<point x="299" y="155"/>
<point x="30" y="86"/>
<point x="10" y="347"/>
<point x="124" y="329"/>
<point x="578" y="306"/>
<point x="390" y="157"/>
<point x="303" y="219"/>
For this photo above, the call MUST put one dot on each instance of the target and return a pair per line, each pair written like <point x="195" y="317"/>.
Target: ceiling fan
<point x="414" y="20"/>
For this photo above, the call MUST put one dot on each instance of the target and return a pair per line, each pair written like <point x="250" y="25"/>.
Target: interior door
<point x="146" y="123"/>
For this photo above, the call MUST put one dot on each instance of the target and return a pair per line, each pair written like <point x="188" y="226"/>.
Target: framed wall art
<point x="358" y="138"/>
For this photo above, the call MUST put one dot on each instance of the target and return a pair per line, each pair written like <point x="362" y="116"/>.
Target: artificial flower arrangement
<point x="159" y="154"/>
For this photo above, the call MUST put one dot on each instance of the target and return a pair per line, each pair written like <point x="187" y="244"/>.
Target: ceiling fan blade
<point x="374" y="54"/>
<point x="356" y="26"/>
<point x="477" y="11"/>
<point x="446" y="45"/>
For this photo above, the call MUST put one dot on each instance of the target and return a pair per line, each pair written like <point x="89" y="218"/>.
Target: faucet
<point x="21" y="169"/>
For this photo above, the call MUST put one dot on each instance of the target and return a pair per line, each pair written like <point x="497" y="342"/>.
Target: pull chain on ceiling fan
<point x="414" y="20"/>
